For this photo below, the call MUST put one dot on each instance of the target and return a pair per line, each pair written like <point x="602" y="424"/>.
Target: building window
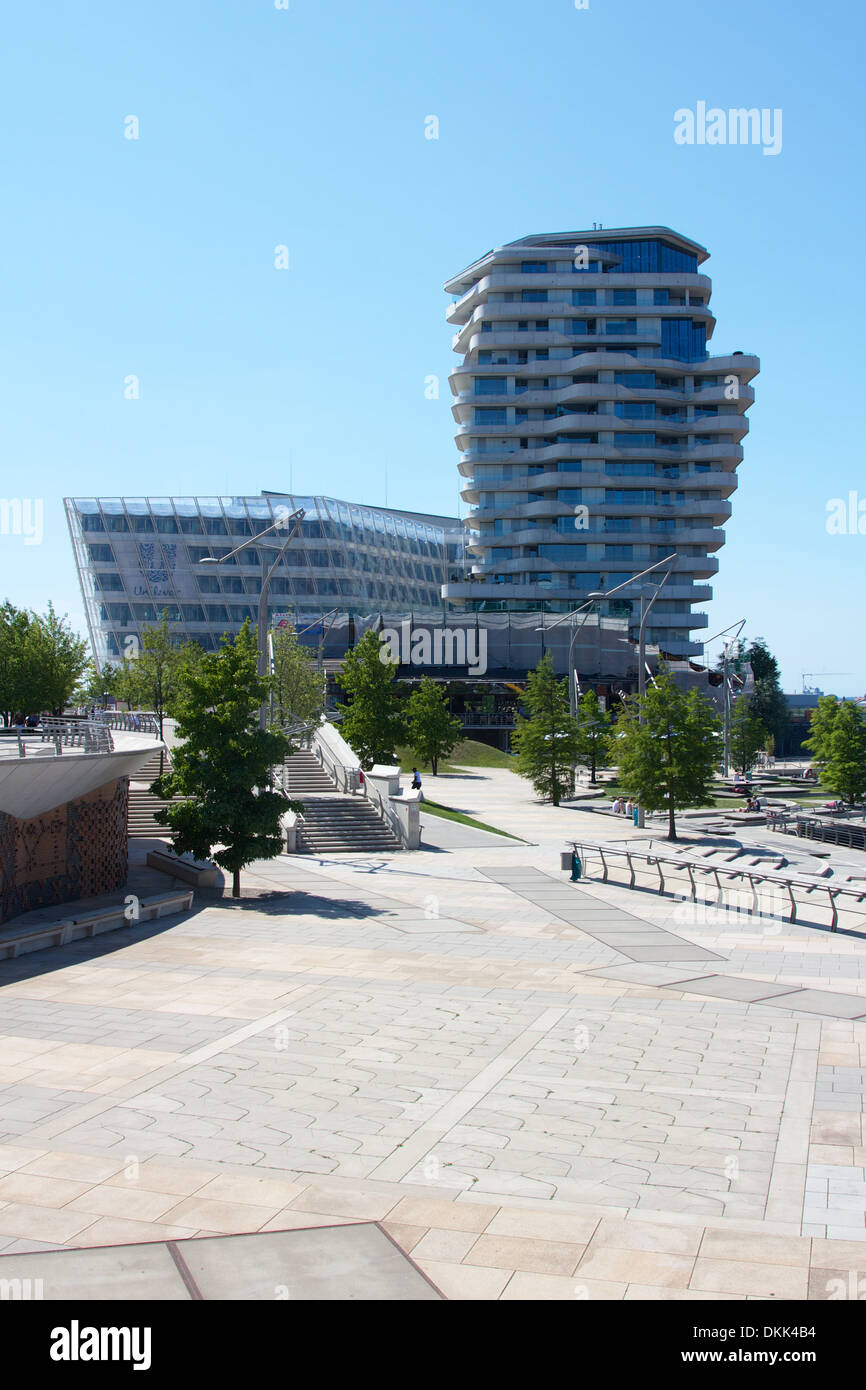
<point x="636" y="381"/>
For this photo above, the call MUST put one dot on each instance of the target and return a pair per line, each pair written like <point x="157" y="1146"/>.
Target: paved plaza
<point x="535" y="1089"/>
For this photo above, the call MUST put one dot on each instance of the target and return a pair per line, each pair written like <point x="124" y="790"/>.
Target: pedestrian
<point x="416" y="780"/>
<point x="617" y="806"/>
<point x="629" y="810"/>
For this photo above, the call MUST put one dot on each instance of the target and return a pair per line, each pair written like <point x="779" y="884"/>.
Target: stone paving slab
<point x="413" y="1040"/>
<point x="346" y="1263"/>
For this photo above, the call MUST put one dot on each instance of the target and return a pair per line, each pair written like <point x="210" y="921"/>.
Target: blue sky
<point x="305" y="127"/>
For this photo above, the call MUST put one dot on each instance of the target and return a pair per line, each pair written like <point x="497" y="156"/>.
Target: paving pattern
<point x="537" y="1089"/>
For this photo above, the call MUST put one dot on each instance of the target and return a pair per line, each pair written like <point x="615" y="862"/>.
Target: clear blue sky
<point x="305" y="127"/>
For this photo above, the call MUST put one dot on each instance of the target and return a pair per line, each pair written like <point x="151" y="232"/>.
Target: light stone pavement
<point x="540" y="1090"/>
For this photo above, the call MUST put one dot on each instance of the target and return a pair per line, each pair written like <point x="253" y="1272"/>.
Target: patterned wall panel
<point x="78" y="850"/>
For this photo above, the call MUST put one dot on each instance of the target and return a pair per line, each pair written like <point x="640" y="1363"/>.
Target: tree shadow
<point x="296" y="902"/>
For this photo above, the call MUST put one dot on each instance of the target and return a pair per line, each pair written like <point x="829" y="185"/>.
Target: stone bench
<point x="200" y="873"/>
<point x="19" y="941"/>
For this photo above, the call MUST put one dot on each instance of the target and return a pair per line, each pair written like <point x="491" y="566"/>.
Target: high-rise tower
<point x="596" y="434"/>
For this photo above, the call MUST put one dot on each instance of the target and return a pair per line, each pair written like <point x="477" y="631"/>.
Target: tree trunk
<point x="236" y="883"/>
<point x="434" y="762"/>
<point x="672" y="825"/>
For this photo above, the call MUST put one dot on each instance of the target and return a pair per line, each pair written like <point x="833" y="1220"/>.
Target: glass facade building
<point x="136" y="556"/>
<point x="596" y="433"/>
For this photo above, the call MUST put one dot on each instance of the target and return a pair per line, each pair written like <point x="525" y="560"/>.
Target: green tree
<point x="748" y="735"/>
<point x="41" y="660"/>
<point x="151" y="678"/>
<point x="297" y="685"/>
<point x="95" y="683"/>
<point x="17" y="676"/>
<point x="837" y="743"/>
<point x="593" y="733"/>
<point x="668" y="762"/>
<point x="767" y="700"/>
<point x="373" y="720"/>
<point x="844" y="771"/>
<point x="60" y="657"/>
<point x="433" y="730"/>
<point x="821" y="727"/>
<point x="546" y="743"/>
<point x="223" y="763"/>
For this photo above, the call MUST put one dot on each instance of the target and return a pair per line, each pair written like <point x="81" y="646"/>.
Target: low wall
<point x="76" y="850"/>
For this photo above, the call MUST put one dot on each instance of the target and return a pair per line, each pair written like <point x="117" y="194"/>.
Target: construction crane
<point x="808" y="688"/>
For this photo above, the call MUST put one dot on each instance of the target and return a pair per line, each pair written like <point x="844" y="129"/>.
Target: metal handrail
<point x="660" y="862"/>
<point x="76" y="733"/>
<point x="133" y="721"/>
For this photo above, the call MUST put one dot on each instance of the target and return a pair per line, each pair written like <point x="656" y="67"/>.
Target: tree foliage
<point x="546" y="743"/>
<point x="373" y="719"/>
<point x="297" y="685"/>
<point x="837" y="743"/>
<point x="748" y="735"/>
<point x="593" y="733"/>
<point x="433" y="730"/>
<point x="767" y="700"/>
<point x="41" y="661"/>
<point x="668" y="761"/>
<point x="223" y="763"/>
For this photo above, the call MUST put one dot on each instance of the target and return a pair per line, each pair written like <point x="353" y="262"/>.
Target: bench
<point x="200" y="873"/>
<point x="19" y="941"/>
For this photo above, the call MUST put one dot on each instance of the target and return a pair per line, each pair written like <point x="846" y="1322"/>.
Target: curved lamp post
<point x="293" y="521"/>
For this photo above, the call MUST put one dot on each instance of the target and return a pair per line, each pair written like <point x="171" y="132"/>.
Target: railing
<point x="348" y="779"/>
<point x="345" y="774"/>
<point x="474" y="720"/>
<point x="91" y="737"/>
<point x="838" y="898"/>
<point x="133" y="721"/>
<point x="811" y="828"/>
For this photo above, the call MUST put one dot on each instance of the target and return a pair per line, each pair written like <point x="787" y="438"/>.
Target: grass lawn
<point x="469" y="753"/>
<point x="447" y="813"/>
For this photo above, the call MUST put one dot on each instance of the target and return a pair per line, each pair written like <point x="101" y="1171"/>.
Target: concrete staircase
<point x="343" y="825"/>
<point x="333" y="822"/>
<point x="305" y="776"/>
<point x="142" y="803"/>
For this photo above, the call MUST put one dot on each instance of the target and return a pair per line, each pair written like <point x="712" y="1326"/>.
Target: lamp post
<point x="596" y="595"/>
<point x="648" y="596"/>
<point x="729" y="649"/>
<point x="294" y="521"/>
<point x="592" y="599"/>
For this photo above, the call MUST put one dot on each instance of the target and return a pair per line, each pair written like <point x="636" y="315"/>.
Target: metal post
<point x="726" y="756"/>
<point x="262" y="637"/>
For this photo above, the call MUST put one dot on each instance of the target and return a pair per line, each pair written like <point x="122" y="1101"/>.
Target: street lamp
<point x="594" y="598"/>
<point x="729" y="649"/>
<point x="294" y="520"/>
<point x="648" y="596"/>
